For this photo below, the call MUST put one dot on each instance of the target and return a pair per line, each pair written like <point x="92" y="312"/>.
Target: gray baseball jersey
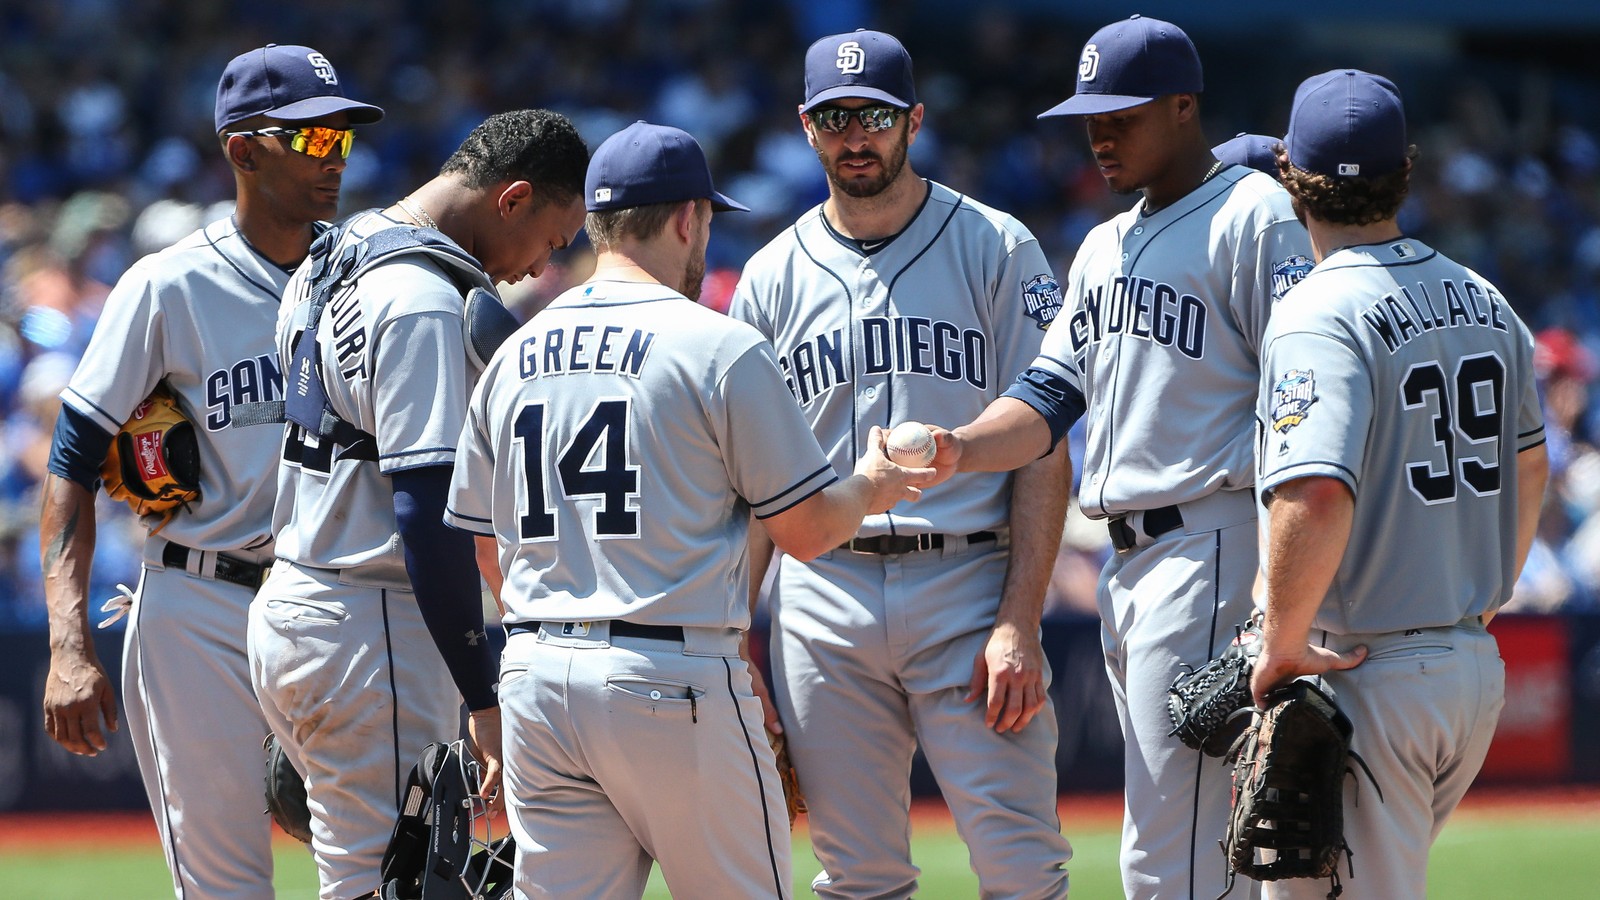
<point x="616" y="447"/>
<point x="1409" y="378"/>
<point x="346" y="670"/>
<point x="912" y="332"/>
<point x="396" y="366"/>
<point x="871" y="653"/>
<point x="198" y="315"/>
<point x="1161" y="331"/>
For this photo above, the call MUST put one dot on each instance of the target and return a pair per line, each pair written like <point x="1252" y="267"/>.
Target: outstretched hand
<point x="891" y="483"/>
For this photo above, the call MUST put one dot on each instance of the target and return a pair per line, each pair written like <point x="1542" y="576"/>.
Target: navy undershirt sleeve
<point x="444" y="574"/>
<point x="1052" y="397"/>
<point x="78" y="448"/>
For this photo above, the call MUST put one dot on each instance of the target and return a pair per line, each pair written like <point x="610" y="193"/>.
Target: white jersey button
<point x="1139" y="230"/>
<point x="870" y="393"/>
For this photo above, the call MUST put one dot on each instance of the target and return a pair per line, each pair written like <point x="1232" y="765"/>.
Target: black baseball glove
<point x="286" y="793"/>
<point x="1289" y="767"/>
<point x="1210" y="706"/>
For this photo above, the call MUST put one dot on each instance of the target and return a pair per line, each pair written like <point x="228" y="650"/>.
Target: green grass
<point x="1477" y="857"/>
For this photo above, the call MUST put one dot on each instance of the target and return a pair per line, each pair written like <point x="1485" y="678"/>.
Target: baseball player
<point x="1403" y="463"/>
<point x="616" y="449"/>
<point x="899" y="299"/>
<point x="198" y="317"/>
<point x="339" y="637"/>
<point x="1253" y="150"/>
<point x="1158" y="341"/>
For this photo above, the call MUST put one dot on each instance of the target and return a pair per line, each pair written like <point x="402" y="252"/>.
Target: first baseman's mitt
<point x="792" y="798"/>
<point x="1210" y="706"/>
<point x="286" y="793"/>
<point x="154" y="463"/>
<point x="1289" y="767"/>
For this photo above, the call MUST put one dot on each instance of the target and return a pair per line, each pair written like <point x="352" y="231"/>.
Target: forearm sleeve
<point x="444" y="574"/>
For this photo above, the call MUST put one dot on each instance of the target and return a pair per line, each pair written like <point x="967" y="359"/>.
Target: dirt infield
<point x="24" y="832"/>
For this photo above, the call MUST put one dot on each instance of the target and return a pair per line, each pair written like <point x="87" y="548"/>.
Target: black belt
<point x="1156" y="523"/>
<point x="229" y="569"/>
<point x="619" y="628"/>
<point x="888" y="544"/>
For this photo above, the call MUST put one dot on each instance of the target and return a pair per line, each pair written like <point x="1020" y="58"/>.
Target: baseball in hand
<point x="911" y="445"/>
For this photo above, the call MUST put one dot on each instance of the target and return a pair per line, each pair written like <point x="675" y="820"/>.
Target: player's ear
<point x="807" y="126"/>
<point x="515" y="194"/>
<point x="1186" y="106"/>
<point x="913" y="123"/>
<point x="240" y="152"/>
<point x="683" y="221"/>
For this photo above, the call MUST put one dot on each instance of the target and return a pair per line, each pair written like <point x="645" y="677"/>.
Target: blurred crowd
<point x="106" y="154"/>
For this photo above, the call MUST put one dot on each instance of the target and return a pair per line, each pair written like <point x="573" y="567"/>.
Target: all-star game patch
<point x="1288" y="273"/>
<point x="1041" y="300"/>
<point x="1292" y="396"/>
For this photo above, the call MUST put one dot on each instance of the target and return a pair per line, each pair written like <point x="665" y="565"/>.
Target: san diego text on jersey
<point x="902" y="345"/>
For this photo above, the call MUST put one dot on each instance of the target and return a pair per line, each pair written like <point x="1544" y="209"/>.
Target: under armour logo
<point x="474" y="636"/>
<point x="1089" y="65"/>
<point x="322" y="68"/>
<point x="852" y="59"/>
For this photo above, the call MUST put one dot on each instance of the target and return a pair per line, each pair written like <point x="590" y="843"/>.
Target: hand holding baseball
<point x="911" y="445"/>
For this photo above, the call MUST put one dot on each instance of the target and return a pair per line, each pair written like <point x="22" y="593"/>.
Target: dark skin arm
<point x="77" y="694"/>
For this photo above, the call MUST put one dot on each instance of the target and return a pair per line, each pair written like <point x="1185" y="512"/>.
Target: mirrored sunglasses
<point x="312" y="140"/>
<point x="836" y="119"/>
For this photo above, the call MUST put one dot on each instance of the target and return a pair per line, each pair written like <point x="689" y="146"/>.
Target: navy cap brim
<point x="723" y="203"/>
<point x="317" y="107"/>
<point x="1093" y="105"/>
<point x="853" y="91"/>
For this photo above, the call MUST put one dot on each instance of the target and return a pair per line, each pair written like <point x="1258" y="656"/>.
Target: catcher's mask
<point x="443" y="847"/>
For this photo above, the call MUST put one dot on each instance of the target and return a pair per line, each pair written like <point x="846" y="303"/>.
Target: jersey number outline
<point x="613" y="479"/>
<point x="1465" y="411"/>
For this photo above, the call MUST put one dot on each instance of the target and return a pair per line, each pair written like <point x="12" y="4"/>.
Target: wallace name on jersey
<point x="1398" y="319"/>
<point x="1142" y="308"/>
<point x="901" y="345"/>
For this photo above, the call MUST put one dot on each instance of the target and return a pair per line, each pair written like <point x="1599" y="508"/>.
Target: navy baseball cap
<point x="1132" y="62"/>
<point x="867" y="64"/>
<point x="286" y="82"/>
<point x="1348" y="124"/>
<point x="1253" y="150"/>
<point x="644" y="164"/>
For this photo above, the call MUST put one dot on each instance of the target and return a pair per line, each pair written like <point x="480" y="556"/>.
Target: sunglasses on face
<point x="836" y="119"/>
<point x="312" y="140"/>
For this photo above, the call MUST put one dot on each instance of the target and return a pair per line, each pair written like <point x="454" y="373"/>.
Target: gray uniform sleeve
<point x="1315" y="408"/>
<point x="419" y="390"/>
<point x="1279" y="259"/>
<point x="1530" y="415"/>
<point x="470" y="505"/>
<point x="1027" y="300"/>
<point x="772" y="458"/>
<point x="745" y="308"/>
<point x="126" y="354"/>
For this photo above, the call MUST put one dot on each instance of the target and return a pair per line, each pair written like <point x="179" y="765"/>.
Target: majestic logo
<point x="852" y="59"/>
<point x="1288" y="273"/>
<point x="1041" y="300"/>
<point x="323" y="68"/>
<point x="1292" y="396"/>
<point x="602" y="195"/>
<point x="1089" y="65"/>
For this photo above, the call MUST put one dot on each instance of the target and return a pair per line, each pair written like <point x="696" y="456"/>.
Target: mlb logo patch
<point x="1292" y="396"/>
<point x="1041" y="300"/>
<point x="602" y="195"/>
